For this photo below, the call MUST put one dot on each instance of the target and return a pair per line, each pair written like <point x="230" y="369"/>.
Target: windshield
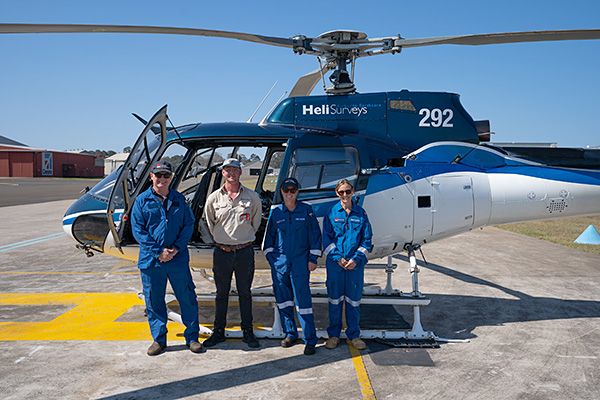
<point x="102" y="190"/>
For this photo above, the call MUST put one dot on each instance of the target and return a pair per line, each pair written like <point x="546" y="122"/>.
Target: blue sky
<point x="73" y="91"/>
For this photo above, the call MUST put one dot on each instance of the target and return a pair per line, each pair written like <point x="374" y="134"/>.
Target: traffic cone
<point x="589" y="236"/>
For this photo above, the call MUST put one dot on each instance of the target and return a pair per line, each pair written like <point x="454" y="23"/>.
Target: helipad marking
<point x="92" y="318"/>
<point x="66" y="273"/>
<point x="361" y="373"/>
<point x="31" y="241"/>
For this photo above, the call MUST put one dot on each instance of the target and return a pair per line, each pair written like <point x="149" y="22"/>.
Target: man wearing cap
<point x="292" y="246"/>
<point x="233" y="214"/>
<point x="162" y="223"/>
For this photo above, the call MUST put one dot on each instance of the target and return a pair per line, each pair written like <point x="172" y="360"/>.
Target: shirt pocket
<point x="355" y="224"/>
<point x="221" y="210"/>
<point x="244" y="212"/>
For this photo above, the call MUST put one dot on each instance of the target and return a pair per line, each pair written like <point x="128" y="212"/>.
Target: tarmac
<point x="73" y="327"/>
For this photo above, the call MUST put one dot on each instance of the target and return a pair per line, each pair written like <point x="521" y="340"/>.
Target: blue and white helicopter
<point x="422" y="167"/>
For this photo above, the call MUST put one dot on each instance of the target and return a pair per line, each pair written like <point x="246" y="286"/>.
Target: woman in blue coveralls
<point x="292" y="246"/>
<point x="347" y="239"/>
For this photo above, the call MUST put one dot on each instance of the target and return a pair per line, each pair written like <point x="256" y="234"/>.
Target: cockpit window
<point x="322" y="167"/>
<point x="102" y="190"/>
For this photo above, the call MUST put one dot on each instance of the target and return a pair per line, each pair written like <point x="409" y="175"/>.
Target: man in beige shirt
<point x="233" y="215"/>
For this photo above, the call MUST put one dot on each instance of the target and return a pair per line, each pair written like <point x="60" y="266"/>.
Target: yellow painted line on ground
<point x="9" y="184"/>
<point x="67" y="273"/>
<point x="361" y="373"/>
<point x="92" y="317"/>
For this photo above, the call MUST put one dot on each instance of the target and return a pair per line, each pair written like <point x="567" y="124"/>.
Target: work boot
<point x="288" y="341"/>
<point x="332" y="342"/>
<point x="217" y="336"/>
<point x="250" y="339"/>
<point x="357" y="343"/>
<point x="195" y="346"/>
<point x="309" y="349"/>
<point x="156" y="348"/>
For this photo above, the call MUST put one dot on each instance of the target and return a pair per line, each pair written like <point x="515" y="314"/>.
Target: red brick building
<point x="23" y="161"/>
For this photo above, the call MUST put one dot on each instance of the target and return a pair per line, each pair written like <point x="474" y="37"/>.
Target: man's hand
<point x="167" y="255"/>
<point x="312" y="266"/>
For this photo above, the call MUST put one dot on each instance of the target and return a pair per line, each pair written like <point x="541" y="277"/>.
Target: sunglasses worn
<point x="165" y="175"/>
<point x="342" y="192"/>
<point x="288" y="190"/>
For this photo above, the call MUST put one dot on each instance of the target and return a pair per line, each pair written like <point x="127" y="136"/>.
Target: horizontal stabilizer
<point x="557" y="157"/>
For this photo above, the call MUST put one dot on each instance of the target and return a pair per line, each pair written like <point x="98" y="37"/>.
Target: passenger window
<point x="270" y="182"/>
<point x="319" y="168"/>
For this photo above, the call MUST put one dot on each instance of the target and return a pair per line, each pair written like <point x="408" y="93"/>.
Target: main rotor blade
<point x="506" y="37"/>
<point x="305" y="85"/>
<point x="74" y="28"/>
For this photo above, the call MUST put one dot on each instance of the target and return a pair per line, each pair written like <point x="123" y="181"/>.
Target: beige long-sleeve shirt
<point x="233" y="221"/>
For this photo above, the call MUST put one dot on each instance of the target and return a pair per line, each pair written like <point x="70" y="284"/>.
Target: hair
<point x="343" y="182"/>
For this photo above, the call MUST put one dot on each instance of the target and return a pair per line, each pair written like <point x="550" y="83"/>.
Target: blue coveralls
<point x="292" y="240"/>
<point x="345" y="236"/>
<point x="156" y="227"/>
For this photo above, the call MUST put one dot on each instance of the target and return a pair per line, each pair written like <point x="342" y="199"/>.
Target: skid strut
<point x="387" y="296"/>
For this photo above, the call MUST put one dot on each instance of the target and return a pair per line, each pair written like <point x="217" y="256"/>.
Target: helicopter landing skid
<point x="388" y="296"/>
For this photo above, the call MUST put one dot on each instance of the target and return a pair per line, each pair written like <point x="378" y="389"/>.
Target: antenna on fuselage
<point x="261" y="103"/>
<point x="264" y="120"/>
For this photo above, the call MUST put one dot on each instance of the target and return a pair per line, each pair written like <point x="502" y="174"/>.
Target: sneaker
<point x="217" y="336"/>
<point x="156" y="348"/>
<point x="309" y="349"/>
<point x="332" y="343"/>
<point x="195" y="346"/>
<point x="288" y="341"/>
<point x="357" y="343"/>
<point x="250" y="339"/>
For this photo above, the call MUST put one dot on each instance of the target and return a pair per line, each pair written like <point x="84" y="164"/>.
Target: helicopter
<point x="422" y="167"/>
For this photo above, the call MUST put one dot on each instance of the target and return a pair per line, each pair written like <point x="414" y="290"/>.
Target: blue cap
<point x="162" y="166"/>
<point x="290" y="182"/>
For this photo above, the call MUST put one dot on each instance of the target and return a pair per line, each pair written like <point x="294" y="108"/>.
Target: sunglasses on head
<point x="289" y="189"/>
<point x="163" y="174"/>
<point x="341" y="192"/>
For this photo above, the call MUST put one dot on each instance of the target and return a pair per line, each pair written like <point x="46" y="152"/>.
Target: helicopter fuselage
<point x="415" y="158"/>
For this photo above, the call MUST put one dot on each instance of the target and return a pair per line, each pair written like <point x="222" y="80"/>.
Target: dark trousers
<point x="225" y="264"/>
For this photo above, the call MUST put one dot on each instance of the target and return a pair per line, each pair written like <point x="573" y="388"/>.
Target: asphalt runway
<point x="72" y="327"/>
<point x="19" y="191"/>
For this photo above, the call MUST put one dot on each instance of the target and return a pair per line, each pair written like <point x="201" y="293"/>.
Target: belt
<point x="232" y="247"/>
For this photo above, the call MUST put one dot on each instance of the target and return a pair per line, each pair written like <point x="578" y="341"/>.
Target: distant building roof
<point x="253" y="164"/>
<point x="6" y="141"/>
<point x="118" y="157"/>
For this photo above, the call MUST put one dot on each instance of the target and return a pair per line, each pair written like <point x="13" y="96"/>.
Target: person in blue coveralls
<point x="162" y="223"/>
<point x="347" y="240"/>
<point x="292" y="246"/>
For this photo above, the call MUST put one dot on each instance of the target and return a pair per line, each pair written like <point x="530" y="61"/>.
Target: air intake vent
<point x="557" y="205"/>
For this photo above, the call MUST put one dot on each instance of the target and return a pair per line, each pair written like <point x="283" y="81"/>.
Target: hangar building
<point x="19" y="160"/>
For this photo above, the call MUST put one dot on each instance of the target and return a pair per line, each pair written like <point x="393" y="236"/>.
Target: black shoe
<point x="250" y="339"/>
<point x="217" y="336"/>
<point x="156" y="348"/>
<point x="288" y="341"/>
<point x="195" y="346"/>
<point x="309" y="349"/>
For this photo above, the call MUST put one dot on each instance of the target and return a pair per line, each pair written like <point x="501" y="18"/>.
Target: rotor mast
<point x="338" y="49"/>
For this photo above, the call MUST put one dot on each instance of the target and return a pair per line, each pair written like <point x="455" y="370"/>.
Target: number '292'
<point x="436" y="118"/>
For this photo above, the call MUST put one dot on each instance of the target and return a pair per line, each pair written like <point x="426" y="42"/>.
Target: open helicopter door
<point x="130" y="181"/>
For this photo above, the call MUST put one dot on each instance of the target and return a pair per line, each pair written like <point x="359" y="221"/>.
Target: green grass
<point x="562" y="231"/>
